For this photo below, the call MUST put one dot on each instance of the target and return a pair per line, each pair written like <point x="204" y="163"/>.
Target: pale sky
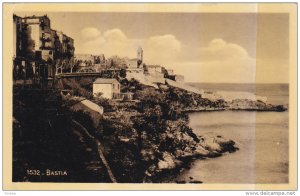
<point x="204" y="47"/>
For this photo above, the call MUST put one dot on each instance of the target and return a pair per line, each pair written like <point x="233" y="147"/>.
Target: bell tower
<point x="140" y="54"/>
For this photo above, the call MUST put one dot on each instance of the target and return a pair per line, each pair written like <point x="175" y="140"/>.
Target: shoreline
<point x="149" y="138"/>
<point x="224" y="109"/>
<point x="171" y="161"/>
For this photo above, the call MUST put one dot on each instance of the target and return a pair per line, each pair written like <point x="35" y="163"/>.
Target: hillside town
<point x="41" y="53"/>
<point x="105" y="119"/>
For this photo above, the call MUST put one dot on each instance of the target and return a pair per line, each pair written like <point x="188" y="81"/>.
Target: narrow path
<point x="100" y="152"/>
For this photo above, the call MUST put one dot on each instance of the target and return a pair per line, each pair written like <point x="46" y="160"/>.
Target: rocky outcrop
<point x="167" y="161"/>
<point x="185" y="148"/>
<point x="232" y="95"/>
<point x="209" y="146"/>
<point x="247" y="104"/>
<point x="215" y="145"/>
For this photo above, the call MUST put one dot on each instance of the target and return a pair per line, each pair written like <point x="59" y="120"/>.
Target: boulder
<point x="178" y="153"/>
<point x="200" y="151"/>
<point x="214" y="143"/>
<point x="167" y="162"/>
<point x="209" y="143"/>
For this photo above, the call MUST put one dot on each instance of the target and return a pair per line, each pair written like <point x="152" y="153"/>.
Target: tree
<point x="123" y="73"/>
<point x="73" y="64"/>
<point x="59" y="65"/>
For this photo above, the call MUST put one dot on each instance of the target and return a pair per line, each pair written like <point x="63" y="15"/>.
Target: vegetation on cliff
<point x="146" y="138"/>
<point x="141" y="139"/>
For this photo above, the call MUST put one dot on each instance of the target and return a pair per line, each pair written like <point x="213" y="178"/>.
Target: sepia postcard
<point x="150" y="96"/>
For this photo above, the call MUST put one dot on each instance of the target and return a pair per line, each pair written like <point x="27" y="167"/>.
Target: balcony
<point x="45" y="39"/>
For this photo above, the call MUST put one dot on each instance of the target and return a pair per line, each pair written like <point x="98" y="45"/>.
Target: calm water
<point x="276" y="93"/>
<point x="261" y="136"/>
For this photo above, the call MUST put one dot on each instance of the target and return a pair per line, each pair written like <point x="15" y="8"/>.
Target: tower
<point x="140" y="54"/>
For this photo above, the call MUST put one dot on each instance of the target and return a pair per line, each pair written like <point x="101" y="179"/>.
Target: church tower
<point x="140" y="54"/>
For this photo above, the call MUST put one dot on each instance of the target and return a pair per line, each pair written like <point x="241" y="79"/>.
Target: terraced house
<point x="37" y="48"/>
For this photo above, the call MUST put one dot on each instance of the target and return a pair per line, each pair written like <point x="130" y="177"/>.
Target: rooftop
<point x="153" y="66"/>
<point x="36" y="17"/>
<point x="105" y="81"/>
<point x="134" y="59"/>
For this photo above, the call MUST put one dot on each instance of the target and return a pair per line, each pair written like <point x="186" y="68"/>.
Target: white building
<point x="154" y="69"/>
<point x="108" y="87"/>
<point x="133" y="63"/>
<point x="179" y="78"/>
<point x="170" y="71"/>
<point x="39" y="36"/>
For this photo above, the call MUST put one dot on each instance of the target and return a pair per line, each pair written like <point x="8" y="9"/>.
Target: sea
<point x="262" y="138"/>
